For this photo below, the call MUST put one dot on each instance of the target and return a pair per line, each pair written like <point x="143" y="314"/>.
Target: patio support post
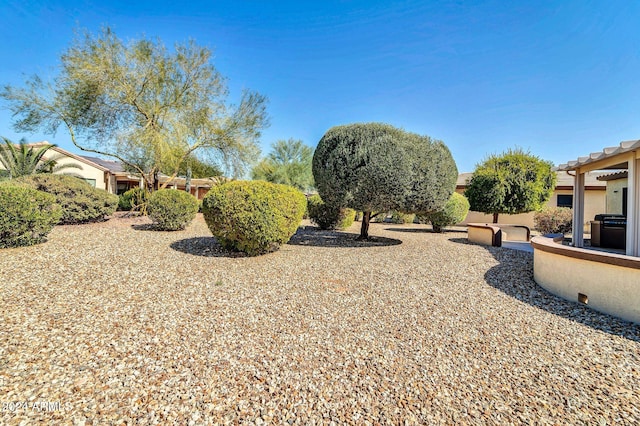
<point x="633" y="206"/>
<point x="577" y="237"/>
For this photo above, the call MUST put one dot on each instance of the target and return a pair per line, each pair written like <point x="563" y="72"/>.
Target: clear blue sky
<point x="559" y="78"/>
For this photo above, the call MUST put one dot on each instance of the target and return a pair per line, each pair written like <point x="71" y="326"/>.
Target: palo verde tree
<point x="375" y="167"/>
<point x="288" y="163"/>
<point x="512" y="183"/>
<point x="145" y="105"/>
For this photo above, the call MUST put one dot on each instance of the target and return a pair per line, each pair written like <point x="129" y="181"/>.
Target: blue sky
<point x="559" y="78"/>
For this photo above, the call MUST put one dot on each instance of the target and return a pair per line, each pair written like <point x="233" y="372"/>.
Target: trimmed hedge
<point x="328" y="217"/>
<point x="172" y="210"/>
<point x="401" y="218"/>
<point x="80" y="202"/>
<point x="554" y="220"/>
<point x="254" y="217"/>
<point x="454" y="211"/>
<point x="134" y="199"/>
<point x="26" y="215"/>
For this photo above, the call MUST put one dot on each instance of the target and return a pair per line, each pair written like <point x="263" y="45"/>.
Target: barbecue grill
<point x="609" y="231"/>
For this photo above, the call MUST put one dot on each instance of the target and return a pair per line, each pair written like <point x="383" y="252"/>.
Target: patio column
<point x="577" y="236"/>
<point x="633" y="206"/>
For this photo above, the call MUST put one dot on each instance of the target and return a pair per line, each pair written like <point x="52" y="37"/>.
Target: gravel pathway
<point x="112" y="323"/>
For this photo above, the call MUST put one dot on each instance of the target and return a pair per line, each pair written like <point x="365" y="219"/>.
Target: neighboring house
<point x="112" y="176"/>
<point x="595" y="199"/>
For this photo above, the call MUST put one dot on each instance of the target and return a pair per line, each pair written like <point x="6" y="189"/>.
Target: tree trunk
<point x="364" y="229"/>
<point x="495" y="218"/>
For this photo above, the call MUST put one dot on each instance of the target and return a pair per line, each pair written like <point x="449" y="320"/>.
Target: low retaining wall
<point x="484" y="233"/>
<point x="492" y="234"/>
<point x="606" y="282"/>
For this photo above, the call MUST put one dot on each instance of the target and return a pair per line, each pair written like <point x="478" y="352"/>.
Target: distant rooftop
<point x="113" y="166"/>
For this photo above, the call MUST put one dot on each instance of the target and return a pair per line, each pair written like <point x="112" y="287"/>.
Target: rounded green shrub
<point x="80" y="202"/>
<point x="26" y="215"/>
<point x="328" y="217"/>
<point x="254" y="217"/>
<point x="400" y="217"/>
<point x="554" y="220"/>
<point x="134" y="199"/>
<point x="454" y="211"/>
<point x="172" y="210"/>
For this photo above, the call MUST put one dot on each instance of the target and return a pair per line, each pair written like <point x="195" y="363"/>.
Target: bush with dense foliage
<point x="328" y="217"/>
<point x="400" y="217"/>
<point x="453" y="212"/>
<point x="253" y="217"/>
<point x="376" y="167"/>
<point x="26" y="215"/>
<point x="134" y="199"/>
<point x="512" y="183"/>
<point x="80" y="202"/>
<point x="172" y="210"/>
<point x="554" y="220"/>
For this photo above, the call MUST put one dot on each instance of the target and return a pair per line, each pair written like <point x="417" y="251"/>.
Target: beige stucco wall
<point x="594" y="203"/>
<point x="614" y="195"/>
<point x="611" y="289"/>
<point x="87" y="171"/>
<point x="482" y="236"/>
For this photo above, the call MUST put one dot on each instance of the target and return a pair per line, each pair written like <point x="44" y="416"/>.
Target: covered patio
<point x="606" y="281"/>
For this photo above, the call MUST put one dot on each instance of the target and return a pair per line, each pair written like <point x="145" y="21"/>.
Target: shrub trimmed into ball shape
<point x="454" y="211"/>
<point x="402" y="218"/>
<point x="328" y="217"/>
<point x="26" y="215"/>
<point x="80" y="202"/>
<point x="134" y="199"/>
<point x="254" y="217"/>
<point x="172" y="210"/>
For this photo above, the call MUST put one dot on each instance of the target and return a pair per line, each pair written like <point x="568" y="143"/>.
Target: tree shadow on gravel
<point x="316" y="237"/>
<point x="203" y="246"/>
<point x="422" y="230"/>
<point x="514" y="277"/>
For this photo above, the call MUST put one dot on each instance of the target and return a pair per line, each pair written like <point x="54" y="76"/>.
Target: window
<point x="565" y="201"/>
<point x="91" y="182"/>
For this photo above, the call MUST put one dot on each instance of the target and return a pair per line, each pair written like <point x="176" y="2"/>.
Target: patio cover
<point x="623" y="157"/>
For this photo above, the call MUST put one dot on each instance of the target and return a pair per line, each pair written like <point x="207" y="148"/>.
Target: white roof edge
<point x="625" y="146"/>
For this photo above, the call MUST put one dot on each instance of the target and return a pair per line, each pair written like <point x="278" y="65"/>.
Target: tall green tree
<point x="145" y="105"/>
<point x="377" y="167"/>
<point x="289" y="163"/>
<point x="28" y="159"/>
<point x="511" y="183"/>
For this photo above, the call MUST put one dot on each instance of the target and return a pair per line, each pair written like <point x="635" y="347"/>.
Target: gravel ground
<point x="113" y="323"/>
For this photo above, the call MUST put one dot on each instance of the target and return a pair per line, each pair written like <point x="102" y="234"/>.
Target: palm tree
<point x="27" y="160"/>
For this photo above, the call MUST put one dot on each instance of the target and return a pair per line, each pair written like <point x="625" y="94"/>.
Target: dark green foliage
<point x="512" y="183"/>
<point x="377" y="167"/>
<point x="26" y="215"/>
<point x="554" y="220"/>
<point x="134" y="199"/>
<point x="254" y="217"/>
<point x="172" y="210"/>
<point x="328" y="217"/>
<point x="80" y="202"/>
<point x="401" y="218"/>
<point x="454" y="211"/>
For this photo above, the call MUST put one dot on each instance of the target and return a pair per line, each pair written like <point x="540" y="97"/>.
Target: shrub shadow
<point x="412" y="230"/>
<point x="316" y="237"/>
<point x="514" y="276"/>
<point x="203" y="246"/>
